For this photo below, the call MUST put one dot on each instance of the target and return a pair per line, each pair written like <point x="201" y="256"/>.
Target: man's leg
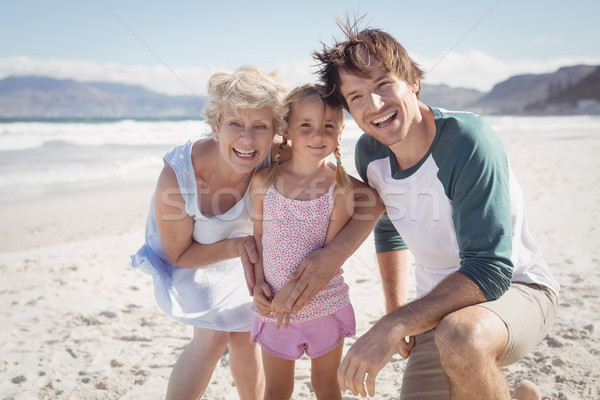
<point x="424" y="377"/>
<point x="470" y="341"/>
<point x="475" y="342"/>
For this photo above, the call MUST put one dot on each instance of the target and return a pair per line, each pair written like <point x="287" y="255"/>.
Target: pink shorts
<point x="315" y="337"/>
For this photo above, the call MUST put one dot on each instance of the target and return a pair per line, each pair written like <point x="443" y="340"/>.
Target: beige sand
<point x="78" y="323"/>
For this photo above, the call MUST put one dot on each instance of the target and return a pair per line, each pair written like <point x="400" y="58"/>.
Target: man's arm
<point x="394" y="267"/>
<point x="317" y="269"/>
<point x="373" y="350"/>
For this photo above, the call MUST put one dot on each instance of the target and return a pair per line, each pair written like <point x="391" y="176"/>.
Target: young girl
<point x="299" y="207"/>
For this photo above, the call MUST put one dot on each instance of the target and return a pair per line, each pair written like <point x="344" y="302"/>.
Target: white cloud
<point x="184" y="80"/>
<point x="476" y="69"/>
<point x="471" y="69"/>
<point x="174" y="81"/>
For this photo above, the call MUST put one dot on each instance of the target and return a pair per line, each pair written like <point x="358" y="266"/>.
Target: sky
<point x="173" y="46"/>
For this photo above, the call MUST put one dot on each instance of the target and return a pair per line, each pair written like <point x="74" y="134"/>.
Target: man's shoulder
<point x="460" y="123"/>
<point x="369" y="149"/>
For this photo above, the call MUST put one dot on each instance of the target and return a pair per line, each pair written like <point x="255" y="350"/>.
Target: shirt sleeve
<point x="385" y="233"/>
<point x="478" y="185"/>
<point x="386" y="236"/>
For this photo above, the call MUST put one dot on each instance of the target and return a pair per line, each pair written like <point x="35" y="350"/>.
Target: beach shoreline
<point x="80" y="323"/>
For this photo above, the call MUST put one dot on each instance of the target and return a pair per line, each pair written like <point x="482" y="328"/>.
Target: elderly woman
<point x="199" y="227"/>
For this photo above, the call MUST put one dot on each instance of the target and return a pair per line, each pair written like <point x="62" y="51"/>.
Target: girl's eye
<point x="381" y="84"/>
<point x="355" y="97"/>
<point x="305" y="125"/>
<point x="329" y="126"/>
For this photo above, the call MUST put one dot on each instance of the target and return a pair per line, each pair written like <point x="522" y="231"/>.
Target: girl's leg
<point x="246" y="366"/>
<point x="192" y="371"/>
<point x="279" y="377"/>
<point x="323" y="374"/>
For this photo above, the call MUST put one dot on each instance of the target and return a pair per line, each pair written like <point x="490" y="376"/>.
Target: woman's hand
<point x="249" y="255"/>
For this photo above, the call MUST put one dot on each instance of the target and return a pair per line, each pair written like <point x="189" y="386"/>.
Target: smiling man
<point x="485" y="297"/>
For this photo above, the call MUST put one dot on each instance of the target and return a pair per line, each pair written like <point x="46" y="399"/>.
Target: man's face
<point x="383" y="105"/>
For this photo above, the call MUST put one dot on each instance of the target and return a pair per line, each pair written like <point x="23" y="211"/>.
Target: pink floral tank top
<point x="292" y="229"/>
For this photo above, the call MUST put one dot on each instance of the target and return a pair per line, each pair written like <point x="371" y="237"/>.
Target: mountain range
<point x="569" y="90"/>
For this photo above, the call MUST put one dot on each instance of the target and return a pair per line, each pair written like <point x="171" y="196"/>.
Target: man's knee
<point x="471" y="333"/>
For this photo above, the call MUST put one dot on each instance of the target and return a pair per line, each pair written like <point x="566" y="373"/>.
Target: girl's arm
<point x="175" y="229"/>
<point x="343" y="208"/>
<point x="262" y="291"/>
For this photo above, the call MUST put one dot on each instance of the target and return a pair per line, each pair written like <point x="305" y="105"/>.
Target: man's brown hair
<point x="353" y="56"/>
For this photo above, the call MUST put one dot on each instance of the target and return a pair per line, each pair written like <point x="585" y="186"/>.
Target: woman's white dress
<point x="213" y="297"/>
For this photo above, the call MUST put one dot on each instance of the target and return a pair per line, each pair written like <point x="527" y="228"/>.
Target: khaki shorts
<point x="528" y="312"/>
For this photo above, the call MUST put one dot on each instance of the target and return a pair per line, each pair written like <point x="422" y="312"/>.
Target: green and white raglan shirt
<point x="459" y="209"/>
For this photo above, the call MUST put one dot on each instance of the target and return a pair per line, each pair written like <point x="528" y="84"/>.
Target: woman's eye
<point x="234" y="124"/>
<point x="261" y="126"/>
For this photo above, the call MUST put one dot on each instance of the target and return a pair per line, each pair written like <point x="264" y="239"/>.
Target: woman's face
<point x="245" y="136"/>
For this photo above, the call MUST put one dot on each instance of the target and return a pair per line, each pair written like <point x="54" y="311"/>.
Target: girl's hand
<point x="262" y="298"/>
<point x="279" y="307"/>
<point x="248" y="254"/>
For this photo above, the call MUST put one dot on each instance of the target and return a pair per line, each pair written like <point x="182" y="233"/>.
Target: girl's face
<point x="313" y="129"/>
<point x="245" y="136"/>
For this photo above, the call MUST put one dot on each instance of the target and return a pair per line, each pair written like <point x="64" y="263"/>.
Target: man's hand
<point x="366" y="358"/>
<point x="310" y="278"/>
<point x="248" y="255"/>
<point x="405" y="346"/>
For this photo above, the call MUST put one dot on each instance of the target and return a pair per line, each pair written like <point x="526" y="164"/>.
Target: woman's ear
<point x="215" y="132"/>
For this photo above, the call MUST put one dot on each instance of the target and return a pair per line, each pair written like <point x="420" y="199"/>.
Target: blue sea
<point x="51" y="158"/>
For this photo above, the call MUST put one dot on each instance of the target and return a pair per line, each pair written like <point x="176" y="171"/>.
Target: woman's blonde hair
<point x="246" y="87"/>
<point x="300" y="93"/>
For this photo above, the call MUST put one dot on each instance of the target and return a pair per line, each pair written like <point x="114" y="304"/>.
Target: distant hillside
<point x="518" y="93"/>
<point x="31" y="97"/>
<point x="569" y="90"/>
<point x="582" y="96"/>
<point x="448" y="97"/>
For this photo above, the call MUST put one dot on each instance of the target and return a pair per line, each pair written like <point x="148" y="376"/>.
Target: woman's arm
<point x="317" y="269"/>
<point x="175" y="229"/>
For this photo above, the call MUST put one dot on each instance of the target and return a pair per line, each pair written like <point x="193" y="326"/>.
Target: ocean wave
<point x="31" y="135"/>
<point x="38" y="158"/>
